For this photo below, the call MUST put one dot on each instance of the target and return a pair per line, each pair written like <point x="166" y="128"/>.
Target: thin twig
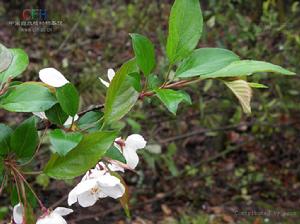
<point x="92" y="108"/>
<point x="29" y="187"/>
<point x="3" y="182"/>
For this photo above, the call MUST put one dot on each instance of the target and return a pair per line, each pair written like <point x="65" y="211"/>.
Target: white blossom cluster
<point x="98" y="182"/>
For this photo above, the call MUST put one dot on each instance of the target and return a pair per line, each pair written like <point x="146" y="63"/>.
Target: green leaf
<point x="5" y="58"/>
<point x="144" y="53"/>
<point x="83" y="157"/>
<point x="185" y="28"/>
<point x="5" y="133"/>
<point x="18" y="64"/>
<point x="24" y="140"/>
<point x="121" y="96"/>
<point x="63" y="142"/>
<point x="153" y="81"/>
<point x="28" y="97"/>
<point x="205" y="60"/>
<point x="242" y="90"/>
<point x="115" y="154"/>
<point x="245" y="68"/>
<point x="91" y="121"/>
<point x="135" y="80"/>
<point x="257" y="85"/>
<point x="56" y="115"/>
<point x="68" y="99"/>
<point x="171" y="98"/>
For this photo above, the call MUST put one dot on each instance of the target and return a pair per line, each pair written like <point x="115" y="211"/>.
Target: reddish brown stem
<point x="30" y="188"/>
<point x="178" y="84"/>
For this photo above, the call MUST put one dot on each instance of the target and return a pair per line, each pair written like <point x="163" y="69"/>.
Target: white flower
<point x="70" y="119"/>
<point x="18" y="213"/>
<point x="115" y="166"/>
<point x="55" y="217"/>
<point x="67" y="123"/>
<point x="129" y="148"/>
<point x="94" y="185"/>
<point x="41" y="115"/>
<point x="52" y="77"/>
<point x="110" y="74"/>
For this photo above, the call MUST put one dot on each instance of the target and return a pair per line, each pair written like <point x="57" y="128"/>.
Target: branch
<point x="178" y="84"/>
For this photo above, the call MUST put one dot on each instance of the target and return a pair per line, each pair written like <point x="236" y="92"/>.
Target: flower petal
<point x="102" y="195"/>
<point x="63" y="211"/>
<point x="131" y="157"/>
<point x="82" y="187"/>
<point x="114" y="192"/>
<point x="18" y="212"/>
<point x="107" y="180"/>
<point x="111" y="186"/>
<point x="52" y="77"/>
<point x="104" y="82"/>
<point x="115" y="167"/>
<point x="135" y="142"/>
<point x="110" y="74"/>
<point x="51" y="219"/>
<point x="85" y="186"/>
<point x="72" y="197"/>
<point x="86" y="199"/>
<point x="70" y="119"/>
<point x="41" y="115"/>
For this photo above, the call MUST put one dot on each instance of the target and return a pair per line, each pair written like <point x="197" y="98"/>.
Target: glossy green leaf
<point x="18" y="64"/>
<point x="28" y="97"/>
<point x="205" y="60"/>
<point x="91" y="121"/>
<point x="144" y="53"/>
<point x="242" y="90"/>
<point x="5" y="58"/>
<point x="115" y="154"/>
<point x="154" y="82"/>
<point x="56" y="115"/>
<point x="68" y="98"/>
<point x="5" y="133"/>
<point x="135" y="80"/>
<point x="245" y="68"/>
<point x="185" y="28"/>
<point x="171" y="98"/>
<point x="63" y="142"/>
<point x="83" y="157"/>
<point x="24" y="139"/>
<point x="121" y="96"/>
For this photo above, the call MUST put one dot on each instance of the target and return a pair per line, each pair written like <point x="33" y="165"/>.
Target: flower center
<point x="95" y="190"/>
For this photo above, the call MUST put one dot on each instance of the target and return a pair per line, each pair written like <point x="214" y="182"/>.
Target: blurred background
<point x="210" y="163"/>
